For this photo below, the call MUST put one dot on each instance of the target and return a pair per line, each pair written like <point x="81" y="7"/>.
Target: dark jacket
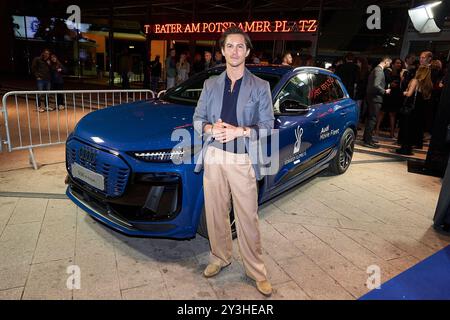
<point x="40" y="69"/>
<point x="198" y="66"/>
<point x="209" y="65"/>
<point x="376" y="85"/>
<point x="349" y="74"/>
<point x="156" y="69"/>
<point x="57" y="76"/>
<point x="361" y="87"/>
<point x="408" y="75"/>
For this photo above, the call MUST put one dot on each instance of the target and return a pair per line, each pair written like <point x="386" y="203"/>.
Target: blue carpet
<point x="427" y="280"/>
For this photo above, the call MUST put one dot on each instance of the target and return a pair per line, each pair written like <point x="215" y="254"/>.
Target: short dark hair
<point x="235" y="30"/>
<point x="384" y="58"/>
<point x="349" y="56"/>
<point x="46" y="49"/>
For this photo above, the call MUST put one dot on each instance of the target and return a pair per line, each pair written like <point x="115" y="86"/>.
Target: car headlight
<point x="176" y="155"/>
<point x="166" y="155"/>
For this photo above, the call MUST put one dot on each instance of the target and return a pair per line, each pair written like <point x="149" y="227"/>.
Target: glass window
<point x="325" y="89"/>
<point x="338" y="89"/>
<point x="296" y="89"/>
<point x="189" y="91"/>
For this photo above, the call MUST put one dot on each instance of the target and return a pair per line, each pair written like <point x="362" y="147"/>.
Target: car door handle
<point x="315" y="121"/>
<point x="343" y="113"/>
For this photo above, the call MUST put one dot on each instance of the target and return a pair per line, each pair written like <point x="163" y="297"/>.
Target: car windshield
<point x="189" y="91"/>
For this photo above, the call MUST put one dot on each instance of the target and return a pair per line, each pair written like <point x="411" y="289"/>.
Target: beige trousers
<point x="230" y="177"/>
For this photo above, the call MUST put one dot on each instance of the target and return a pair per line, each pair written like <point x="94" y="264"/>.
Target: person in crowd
<point x="361" y="86"/>
<point x="125" y="66"/>
<point x="155" y="74"/>
<point x="41" y="71"/>
<point x="409" y="61"/>
<point x="209" y="63"/>
<point x="171" y="69"/>
<point x="297" y="62"/>
<point x="392" y="102"/>
<point x="411" y="125"/>
<point x="439" y="147"/>
<point x="437" y="75"/>
<point x="57" y="70"/>
<point x="255" y="59"/>
<point x="376" y="90"/>
<point x="278" y="59"/>
<point x="218" y="58"/>
<point x="349" y="73"/>
<point x="409" y="72"/>
<point x="425" y="58"/>
<point x="197" y="64"/>
<point x="183" y="69"/>
<point x="230" y="176"/>
<point x="287" y="59"/>
<point x="309" y="61"/>
<point x="441" y="217"/>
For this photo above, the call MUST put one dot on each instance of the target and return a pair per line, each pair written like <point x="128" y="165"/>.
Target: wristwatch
<point x="245" y="132"/>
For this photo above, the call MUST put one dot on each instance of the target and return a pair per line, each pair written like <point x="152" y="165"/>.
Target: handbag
<point x="409" y="104"/>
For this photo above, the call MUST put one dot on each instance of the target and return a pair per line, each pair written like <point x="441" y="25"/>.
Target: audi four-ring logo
<point x="87" y="155"/>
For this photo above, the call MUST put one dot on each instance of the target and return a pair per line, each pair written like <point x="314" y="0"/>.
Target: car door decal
<point x="298" y="137"/>
<point x="327" y="132"/>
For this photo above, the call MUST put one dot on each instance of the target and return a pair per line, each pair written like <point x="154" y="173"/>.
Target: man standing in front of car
<point x="376" y="90"/>
<point x="234" y="110"/>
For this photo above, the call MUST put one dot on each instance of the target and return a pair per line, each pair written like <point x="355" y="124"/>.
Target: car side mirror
<point x="292" y="106"/>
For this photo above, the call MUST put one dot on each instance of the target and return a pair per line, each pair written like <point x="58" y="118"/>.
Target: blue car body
<point x="162" y="199"/>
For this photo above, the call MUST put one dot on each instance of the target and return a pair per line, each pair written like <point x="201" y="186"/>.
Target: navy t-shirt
<point x="228" y="115"/>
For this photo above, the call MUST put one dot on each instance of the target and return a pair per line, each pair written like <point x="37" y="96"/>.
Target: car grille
<point x="111" y="167"/>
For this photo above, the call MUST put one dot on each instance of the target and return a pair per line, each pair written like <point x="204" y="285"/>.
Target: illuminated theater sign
<point x="278" y="26"/>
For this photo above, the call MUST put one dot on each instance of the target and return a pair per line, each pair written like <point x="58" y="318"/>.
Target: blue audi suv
<point x="120" y="160"/>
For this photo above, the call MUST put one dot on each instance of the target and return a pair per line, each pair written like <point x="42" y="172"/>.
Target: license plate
<point x="90" y="177"/>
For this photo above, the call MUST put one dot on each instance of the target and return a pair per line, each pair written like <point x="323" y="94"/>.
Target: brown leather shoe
<point x="264" y="287"/>
<point x="211" y="270"/>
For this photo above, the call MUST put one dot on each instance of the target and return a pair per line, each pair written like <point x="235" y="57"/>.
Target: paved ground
<point x="388" y="146"/>
<point x="319" y="239"/>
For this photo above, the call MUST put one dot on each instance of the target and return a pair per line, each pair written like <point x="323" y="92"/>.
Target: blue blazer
<point x="254" y="109"/>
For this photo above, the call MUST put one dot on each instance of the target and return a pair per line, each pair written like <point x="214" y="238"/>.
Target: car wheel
<point x="343" y="158"/>
<point x="203" y="228"/>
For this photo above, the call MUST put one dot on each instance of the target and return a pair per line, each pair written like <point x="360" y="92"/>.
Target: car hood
<point x="139" y="126"/>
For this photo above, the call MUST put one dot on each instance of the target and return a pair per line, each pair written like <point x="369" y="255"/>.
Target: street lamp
<point x="422" y="18"/>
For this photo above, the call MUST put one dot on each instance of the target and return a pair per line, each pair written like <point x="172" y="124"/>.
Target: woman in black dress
<point x="393" y="101"/>
<point x="411" y="125"/>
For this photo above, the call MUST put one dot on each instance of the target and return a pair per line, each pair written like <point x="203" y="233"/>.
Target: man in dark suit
<point x="349" y="73"/>
<point x="233" y="110"/>
<point x="376" y="89"/>
<point x="442" y="214"/>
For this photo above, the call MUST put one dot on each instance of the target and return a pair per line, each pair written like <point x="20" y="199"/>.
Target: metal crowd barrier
<point x="161" y="93"/>
<point x="27" y="128"/>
